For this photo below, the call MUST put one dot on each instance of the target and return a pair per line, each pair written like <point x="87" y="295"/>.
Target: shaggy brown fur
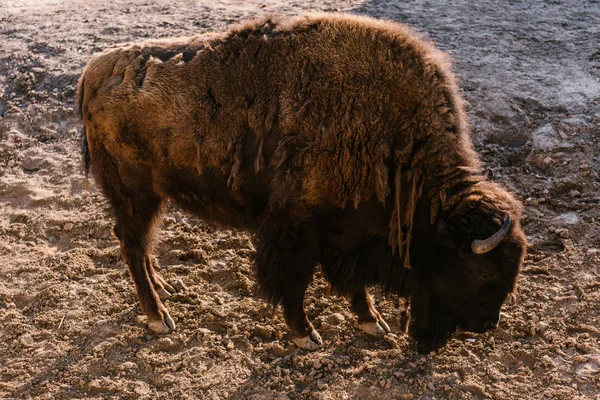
<point x="325" y="135"/>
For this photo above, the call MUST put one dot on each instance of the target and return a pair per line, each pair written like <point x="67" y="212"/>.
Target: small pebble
<point x="322" y="385"/>
<point x="165" y="344"/>
<point x="335" y="319"/>
<point x="591" y="252"/>
<point x="563" y="233"/>
<point x="27" y="340"/>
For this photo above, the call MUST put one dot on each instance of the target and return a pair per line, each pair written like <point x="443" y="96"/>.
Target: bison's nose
<point x="490" y="323"/>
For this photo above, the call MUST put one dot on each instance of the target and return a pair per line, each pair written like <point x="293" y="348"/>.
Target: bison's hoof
<point x="162" y="293"/>
<point x="163" y="288"/>
<point x="311" y="342"/>
<point x="375" y="328"/>
<point x="166" y="326"/>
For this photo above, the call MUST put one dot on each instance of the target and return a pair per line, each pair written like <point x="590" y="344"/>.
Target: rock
<point x="562" y="233"/>
<point x="335" y="319"/>
<point x="569" y="218"/>
<point x="473" y="387"/>
<point x="404" y="396"/>
<point x="179" y="285"/>
<point x="166" y="344"/>
<point x="27" y="340"/>
<point x="277" y="350"/>
<point x="217" y="265"/>
<point x="322" y="385"/>
<point x="546" y="138"/>
<point x="68" y="227"/>
<point x="262" y="332"/>
<point x="548" y="160"/>
<point x="35" y="159"/>
<point x="541" y="326"/>
<point x="11" y="163"/>
<point x="591" y="252"/>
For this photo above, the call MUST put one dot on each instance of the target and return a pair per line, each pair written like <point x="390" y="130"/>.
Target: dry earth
<point x="71" y="326"/>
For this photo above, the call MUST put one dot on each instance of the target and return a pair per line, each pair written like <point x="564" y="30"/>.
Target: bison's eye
<point x="488" y="275"/>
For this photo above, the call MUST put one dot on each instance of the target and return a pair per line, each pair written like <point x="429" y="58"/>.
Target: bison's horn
<point x="485" y="245"/>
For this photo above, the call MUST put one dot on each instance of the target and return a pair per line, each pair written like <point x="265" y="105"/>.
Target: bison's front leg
<point x="304" y="335"/>
<point x="286" y="256"/>
<point x="369" y="319"/>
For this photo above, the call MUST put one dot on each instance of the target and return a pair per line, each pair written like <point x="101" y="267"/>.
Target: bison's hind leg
<point x="136" y="223"/>
<point x="161" y="286"/>
<point x="286" y="257"/>
<point x="129" y="190"/>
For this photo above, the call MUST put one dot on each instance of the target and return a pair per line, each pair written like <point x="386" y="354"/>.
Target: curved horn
<point x="485" y="245"/>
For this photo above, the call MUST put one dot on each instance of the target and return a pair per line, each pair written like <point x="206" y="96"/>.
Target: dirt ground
<point x="70" y="323"/>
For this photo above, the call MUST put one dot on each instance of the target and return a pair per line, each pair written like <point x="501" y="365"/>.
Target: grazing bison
<point x="335" y="140"/>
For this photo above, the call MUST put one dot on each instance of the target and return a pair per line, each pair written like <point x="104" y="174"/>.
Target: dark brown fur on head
<point x="455" y="288"/>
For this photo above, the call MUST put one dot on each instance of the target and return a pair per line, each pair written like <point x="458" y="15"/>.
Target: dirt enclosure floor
<point x="70" y="325"/>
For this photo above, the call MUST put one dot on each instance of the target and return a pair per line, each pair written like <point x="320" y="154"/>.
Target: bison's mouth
<point x="481" y="325"/>
<point x="433" y="339"/>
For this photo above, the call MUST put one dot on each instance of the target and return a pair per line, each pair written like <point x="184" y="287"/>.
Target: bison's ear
<point x="446" y="234"/>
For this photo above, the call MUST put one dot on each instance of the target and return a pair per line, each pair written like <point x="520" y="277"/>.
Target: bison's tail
<point x="85" y="150"/>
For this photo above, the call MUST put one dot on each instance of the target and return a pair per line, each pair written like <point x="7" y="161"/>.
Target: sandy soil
<point x="70" y="323"/>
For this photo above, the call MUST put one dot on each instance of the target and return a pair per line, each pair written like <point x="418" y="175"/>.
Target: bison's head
<point x="466" y="273"/>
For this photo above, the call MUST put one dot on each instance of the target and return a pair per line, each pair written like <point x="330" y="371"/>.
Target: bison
<point x="335" y="140"/>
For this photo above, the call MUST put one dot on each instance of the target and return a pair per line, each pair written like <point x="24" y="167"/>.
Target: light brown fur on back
<point x="327" y="102"/>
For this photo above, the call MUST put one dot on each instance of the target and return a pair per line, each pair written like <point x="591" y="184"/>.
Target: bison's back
<point x="320" y="109"/>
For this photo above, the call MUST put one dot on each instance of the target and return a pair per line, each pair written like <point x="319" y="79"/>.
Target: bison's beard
<point x="431" y="323"/>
